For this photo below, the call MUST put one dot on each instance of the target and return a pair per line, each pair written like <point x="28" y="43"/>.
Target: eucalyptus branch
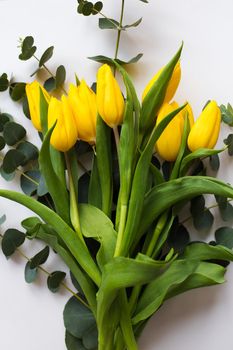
<point x="206" y="209"/>
<point x="49" y="274"/>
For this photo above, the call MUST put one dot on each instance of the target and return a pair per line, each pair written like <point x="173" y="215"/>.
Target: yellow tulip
<point x="110" y="101"/>
<point x="168" y="144"/>
<point x="172" y="85"/>
<point x="64" y="135"/>
<point x="83" y="104"/>
<point x="33" y="96"/>
<point x="205" y="131"/>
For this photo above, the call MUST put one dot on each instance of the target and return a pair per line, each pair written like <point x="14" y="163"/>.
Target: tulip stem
<point x="74" y="214"/>
<point x="123" y="215"/>
<point x="116" y="136"/>
<point x="119" y="32"/>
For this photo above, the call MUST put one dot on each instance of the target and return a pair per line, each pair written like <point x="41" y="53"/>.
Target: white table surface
<point x="31" y="316"/>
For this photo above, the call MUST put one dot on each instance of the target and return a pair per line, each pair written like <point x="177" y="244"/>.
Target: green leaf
<point x="225" y="208"/>
<point x="214" y="162"/>
<point x="13" y="133"/>
<point x="28" y="50"/>
<point x="182" y="275"/>
<point x="108" y="60"/>
<point x="29" y="151"/>
<point x="40" y="258"/>
<point x="202" y="218"/>
<point x="227" y="114"/>
<point x="17" y="91"/>
<point x="166" y="195"/>
<point x="178" y="238"/>
<point x="50" y="84"/>
<point x="26" y="110"/>
<point x="135" y="24"/>
<point x="204" y="251"/>
<point x="229" y="142"/>
<point x="78" y="319"/>
<point x="6" y="176"/>
<point x="108" y="23"/>
<point x="4" y="118"/>
<point x="60" y="76"/>
<point x="87" y="8"/>
<point x="12" y="239"/>
<point x="224" y="236"/>
<point x="2" y="143"/>
<point x="4" y="83"/>
<point x="94" y="192"/>
<point x="12" y="160"/>
<point x="97" y="7"/>
<point x="54" y="280"/>
<point x="42" y="188"/>
<point x="73" y="343"/>
<point x="30" y="275"/>
<point x="95" y="224"/>
<point x="29" y="182"/>
<point x="198" y="154"/>
<point x="46" y="56"/>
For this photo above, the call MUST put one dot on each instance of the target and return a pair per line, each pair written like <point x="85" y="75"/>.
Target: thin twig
<point x="49" y="274"/>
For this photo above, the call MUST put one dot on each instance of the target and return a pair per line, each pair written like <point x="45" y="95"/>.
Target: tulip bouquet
<point x="115" y="224"/>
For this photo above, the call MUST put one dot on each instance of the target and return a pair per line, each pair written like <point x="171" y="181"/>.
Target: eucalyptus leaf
<point x="13" y="133"/>
<point x="54" y="280"/>
<point x="30" y="275"/>
<point x="60" y="76"/>
<point x="135" y="24"/>
<point x="4" y="83"/>
<point x="6" y="176"/>
<point x="50" y="84"/>
<point x="224" y="236"/>
<point x="40" y="258"/>
<point x="12" y="160"/>
<point x="28" y="150"/>
<point x="108" y="23"/>
<point x="12" y="239"/>
<point x="78" y="319"/>
<point x="17" y="91"/>
<point x="2" y="143"/>
<point x="4" y="118"/>
<point x="108" y="60"/>
<point x="29" y="181"/>
<point x="46" y="56"/>
<point x="73" y="343"/>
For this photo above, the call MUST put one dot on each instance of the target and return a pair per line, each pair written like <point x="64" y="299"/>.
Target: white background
<point x="31" y="316"/>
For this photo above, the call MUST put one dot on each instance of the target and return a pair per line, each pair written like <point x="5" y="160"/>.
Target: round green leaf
<point x="87" y="8"/>
<point x="12" y="160"/>
<point x="97" y="7"/>
<point x="28" y="186"/>
<point x="4" y="83"/>
<point x="54" y="280"/>
<point x="2" y="143"/>
<point x="30" y="274"/>
<point x="178" y="238"/>
<point x="40" y="258"/>
<point x="78" y="319"/>
<point x="224" y="236"/>
<point x="13" y="133"/>
<point x="26" y="110"/>
<point x="29" y="151"/>
<point x="4" y="118"/>
<point x="50" y="84"/>
<point x="90" y="338"/>
<point x="17" y="91"/>
<point x="73" y="343"/>
<point x="12" y="239"/>
<point x="7" y="177"/>
<point x="60" y="76"/>
<point x="46" y="56"/>
<point x="203" y="221"/>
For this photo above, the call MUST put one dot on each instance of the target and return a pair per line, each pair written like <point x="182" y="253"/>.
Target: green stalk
<point x="119" y="30"/>
<point x="123" y="217"/>
<point x="74" y="215"/>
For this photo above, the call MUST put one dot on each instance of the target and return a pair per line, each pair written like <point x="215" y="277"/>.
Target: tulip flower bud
<point x="172" y="85"/>
<point x="64" y="135"/>
<point x="205" y="131"/>
<point x="33" y="96"/>
<point x="83" y="104"/>
<point x="168" y="144"/>
<point x="110" y="101"/>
